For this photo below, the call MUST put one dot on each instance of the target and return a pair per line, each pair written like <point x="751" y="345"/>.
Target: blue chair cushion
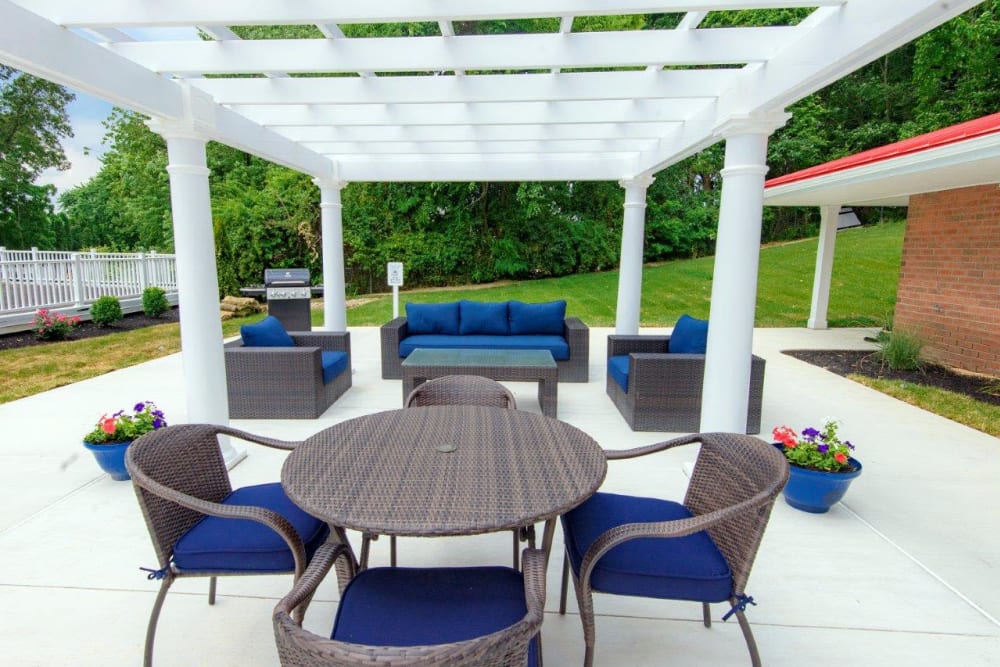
<point x="333" y="363"/>
<point x="400" y="606"/>
<point x="680" y="568"/>
<point x="557" y="345"/>
<point x="269" y="332"/>
<point x="476" y="317"/>
<point x="690" y="336"/>
<point x="216" y="544"/>
<point x="537" y="318"/>
<point x="618" y="370"/>
<point x="432" y="318"/>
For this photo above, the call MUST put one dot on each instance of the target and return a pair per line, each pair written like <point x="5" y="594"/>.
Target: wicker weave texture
<point x="461" y="390"/>
<point x="505" y="648"/>
<point x="509" y="469"/>
<point x="665" y="390"/>
<point x="492" y="364"/>
<point x="285" y="382"/>
<point x="574" y="369"/>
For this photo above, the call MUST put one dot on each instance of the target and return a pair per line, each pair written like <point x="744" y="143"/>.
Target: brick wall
<point x="949" y="283"/>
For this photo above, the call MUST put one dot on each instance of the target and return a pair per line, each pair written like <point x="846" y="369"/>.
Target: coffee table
<point x="513" y="365"/>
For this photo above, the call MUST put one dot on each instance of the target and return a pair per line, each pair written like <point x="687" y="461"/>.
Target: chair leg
<point x="392" y="550"/>
<point x="154" y="616"/>
<point x="748" y="636"/>
<point x="517" y="545"/>
<point x="366" y="544"/>
<point x="211" y="590"/>
<point x="706" y="614"/>
<point x="565" y="585"/>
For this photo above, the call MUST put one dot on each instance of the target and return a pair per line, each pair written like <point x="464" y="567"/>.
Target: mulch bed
<point x="90" y="330"/>
<point x="845" y="362"/>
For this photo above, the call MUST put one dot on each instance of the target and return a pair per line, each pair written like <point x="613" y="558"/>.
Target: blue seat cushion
<point x="400" y="606"/>
<point x="432" y="318"/>
<point x="333" y="363"/>
<point x="690" y="336"/>
<point x="557" y="345"/>
<point x="537" y="318"/>
<point x="269" y="332"/>
<point x="476" y="317"/>
<point x="216" y="544"/>
<point x="618" y="370"/>
<point x="679" y="568"/>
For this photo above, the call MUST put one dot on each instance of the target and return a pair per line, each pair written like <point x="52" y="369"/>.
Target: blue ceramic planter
<point x="111" y="458"/>
<point x="816" y="492"/>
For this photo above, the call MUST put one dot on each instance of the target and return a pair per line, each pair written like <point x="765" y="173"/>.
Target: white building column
<point x="734" y="281"/>
<point x="332" y="229"/>
<point x="630" y="267"/>
<point x="829" y="217"/>
<point x="197" y="280"/>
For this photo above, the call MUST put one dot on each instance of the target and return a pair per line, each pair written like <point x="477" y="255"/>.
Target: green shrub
<point x="154" y="301"/>
<point x="106" y="311"/>
<point x="900" y="351"/>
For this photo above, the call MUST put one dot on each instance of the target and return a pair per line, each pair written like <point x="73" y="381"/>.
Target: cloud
<point x="83" y="168"/>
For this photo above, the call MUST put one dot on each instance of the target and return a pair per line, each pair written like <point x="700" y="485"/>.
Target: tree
<point x="33" y="119"/>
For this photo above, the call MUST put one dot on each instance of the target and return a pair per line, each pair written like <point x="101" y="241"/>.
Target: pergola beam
<point x="530" y="148"/>
<point x="552" y="167"/>
<point x="662" y="84"/>
<point x="719" y="46"/>
<point x="281" y="12"/>
<point x="427" y="133"/>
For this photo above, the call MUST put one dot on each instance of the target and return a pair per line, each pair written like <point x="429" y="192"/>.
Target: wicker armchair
<point x="200" y="526"/>
<point x="458" y="390"/>
<point x="664" y="389"/>
<point x="285" y="382"/>
<point x="702" y="549"/>
<point x="445" y="617"/>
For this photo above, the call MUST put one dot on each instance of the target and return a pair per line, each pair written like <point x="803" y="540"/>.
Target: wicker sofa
<point x="663" y="391"/>
<point x="288" y="381"/>
<point x="489" y="325"/>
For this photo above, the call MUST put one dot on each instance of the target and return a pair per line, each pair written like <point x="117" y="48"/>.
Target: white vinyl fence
<point x="71" y="281"/>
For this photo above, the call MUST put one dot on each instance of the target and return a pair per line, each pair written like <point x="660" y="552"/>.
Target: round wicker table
<point x="444" y="470"/>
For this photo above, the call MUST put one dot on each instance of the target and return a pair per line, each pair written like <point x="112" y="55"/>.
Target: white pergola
<point x="560" y="105"/>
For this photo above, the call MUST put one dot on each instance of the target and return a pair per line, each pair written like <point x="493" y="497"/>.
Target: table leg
<point x="548" y="396"/>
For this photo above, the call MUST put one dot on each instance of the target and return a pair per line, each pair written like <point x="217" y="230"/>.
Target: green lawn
<point x="863" y="291"/>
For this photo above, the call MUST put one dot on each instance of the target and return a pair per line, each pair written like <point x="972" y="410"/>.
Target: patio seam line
<point x="54" y="503"/>
<point x="964" y="598"/>
<point x="142" y="591"/>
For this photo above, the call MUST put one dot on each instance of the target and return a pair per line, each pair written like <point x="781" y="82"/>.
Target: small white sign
<point x="395" y="273"/>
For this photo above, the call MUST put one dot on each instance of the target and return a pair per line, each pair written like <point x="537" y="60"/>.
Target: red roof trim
<point x="949" y="135"/>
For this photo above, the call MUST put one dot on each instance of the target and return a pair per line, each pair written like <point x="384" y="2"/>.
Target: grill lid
<point x="284" y="277"/>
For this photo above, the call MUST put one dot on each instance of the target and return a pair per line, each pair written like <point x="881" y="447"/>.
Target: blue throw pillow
<point x="269" y="332"/>
<point x="432" y="318"/>
<point x="478" y="318"/>
<point x="690" y="336"/>
<point x="537" y="318"/>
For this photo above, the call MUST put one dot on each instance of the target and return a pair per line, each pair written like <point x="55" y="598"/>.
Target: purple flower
<point x="822" y="449"/>
<point x="158" y="413"/>
<point x="139" y="407"/>
<point x="809" y="434"/>
<point x="848" y="443"/>
<point x="119" y="413"/>
<point x="159" y="423"/>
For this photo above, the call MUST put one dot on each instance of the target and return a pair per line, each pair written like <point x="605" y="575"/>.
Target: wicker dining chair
<point x="200" y="526"/>
<point x="701" y="550"/>
<point x="458" y="390"/>
<point x="440" y="617"/>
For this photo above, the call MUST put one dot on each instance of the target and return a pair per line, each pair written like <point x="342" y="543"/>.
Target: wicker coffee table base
<point x="546" y="377"/>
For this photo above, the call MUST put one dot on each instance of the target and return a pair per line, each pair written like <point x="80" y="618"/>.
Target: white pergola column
<point x="630" y="267"/>
<point x="734" y="281"/>
<point x="197" y="280"/>
<point x="828" y="221"/>
<point x="332" y="227"/>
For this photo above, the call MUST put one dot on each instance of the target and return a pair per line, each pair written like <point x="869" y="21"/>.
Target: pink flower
<point x="107" y="424"/>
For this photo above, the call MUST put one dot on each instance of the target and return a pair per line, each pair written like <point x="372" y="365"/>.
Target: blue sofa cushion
<point x="432" y="318"/>
<point x="618" y="370"/>
<point x="400" y="606"/>
<point x="537" y="318"/>
<point x="679" y="568"/>
<point x="333" y="363"/>
<point x="269" y="332"/>
<point x="690" y="336"/>
<point x="216" y="544"/>
<point x="476" y="317"/>
<point x="557" y="345"/>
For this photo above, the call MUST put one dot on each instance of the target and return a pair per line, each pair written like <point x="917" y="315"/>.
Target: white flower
<point x="827" y="422"/>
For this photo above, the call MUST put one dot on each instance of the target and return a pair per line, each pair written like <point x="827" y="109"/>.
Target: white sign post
<point x="394" y="272"/>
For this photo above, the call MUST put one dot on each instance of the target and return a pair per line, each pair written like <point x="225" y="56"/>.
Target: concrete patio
<point x="903" y="572"/>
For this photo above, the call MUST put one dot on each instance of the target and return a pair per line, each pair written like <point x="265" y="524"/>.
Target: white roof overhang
<point x="558" y="105"/>
<point x="891" y="182"/>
